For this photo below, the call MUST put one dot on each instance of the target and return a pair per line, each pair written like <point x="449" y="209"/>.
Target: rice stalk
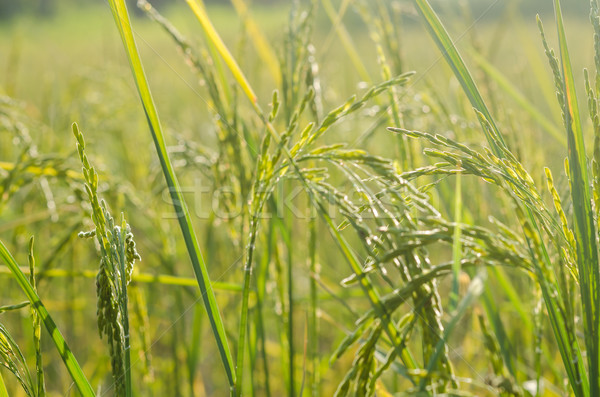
<point x="306" y="139"/>
<point x="456" y="247"/>
<point x="37" y="330"/>
<point x="313" y="324"/>
<point x="586" y="244"/>
<point x="117" y="257"/>
<point x="553" y="290"/>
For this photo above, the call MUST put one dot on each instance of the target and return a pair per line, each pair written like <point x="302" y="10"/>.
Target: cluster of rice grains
<point x="117" y="257"/>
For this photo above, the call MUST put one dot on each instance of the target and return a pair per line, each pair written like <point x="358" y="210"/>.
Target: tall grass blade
<point x="261" y="291"/>
<point x="121" y="17"/>
<point x="61" y="345"/>
<point x="313" y="331"/>
<point x="216" y="40"/>
<point x="454" y="59"/>
<point x="146" y="278"/>
<point x="286" y="231"/>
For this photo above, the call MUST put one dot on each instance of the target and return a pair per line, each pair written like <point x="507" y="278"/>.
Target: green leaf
<point x="121" y="17"/>
<point x="214" y="38"/>
<point x="452" y="56"/>
<point x="36" y="304"/>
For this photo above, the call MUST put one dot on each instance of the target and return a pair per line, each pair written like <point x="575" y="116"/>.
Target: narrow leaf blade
<point x="67" y="356"/>
<point x="121" y="17"/>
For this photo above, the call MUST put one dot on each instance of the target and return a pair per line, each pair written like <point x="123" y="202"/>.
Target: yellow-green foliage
<point x="330" y="203"/>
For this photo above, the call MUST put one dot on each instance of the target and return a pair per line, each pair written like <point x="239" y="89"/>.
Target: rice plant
<point x="118" y="255"/>
<point x="382" y="243"/>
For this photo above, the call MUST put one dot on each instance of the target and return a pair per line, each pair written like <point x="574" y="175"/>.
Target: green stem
<point x="456" y="245"/>
<point x="261" y="290"/>
<point x="313" y="324"/>
<point x="37" y="329"/>
<point x="244" y="314"/>
<point x="124" y="302"/>
<point x="163" y="279"/>
<point x="290" y="312"/>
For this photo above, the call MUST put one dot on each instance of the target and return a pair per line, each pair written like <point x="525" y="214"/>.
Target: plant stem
<point x="313" y="333"/>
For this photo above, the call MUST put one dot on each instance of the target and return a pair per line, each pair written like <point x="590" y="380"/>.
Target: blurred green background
<point x="10" y="8"/>
<point x="63" y="59"/>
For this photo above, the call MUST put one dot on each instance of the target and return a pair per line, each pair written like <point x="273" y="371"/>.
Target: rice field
<point x="300" y="198"/>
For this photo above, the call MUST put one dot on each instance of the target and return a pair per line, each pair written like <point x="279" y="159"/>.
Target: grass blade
<point x="313" y="332"/>
<point x="121" y="17"/>
<point x="61" y="345"/>
<point x="216" y="40"/>
<point x="452" y="56"/>
<point x="146" y="278"/>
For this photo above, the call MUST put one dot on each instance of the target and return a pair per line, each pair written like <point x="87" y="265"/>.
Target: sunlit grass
<point x="312" y="221"/>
